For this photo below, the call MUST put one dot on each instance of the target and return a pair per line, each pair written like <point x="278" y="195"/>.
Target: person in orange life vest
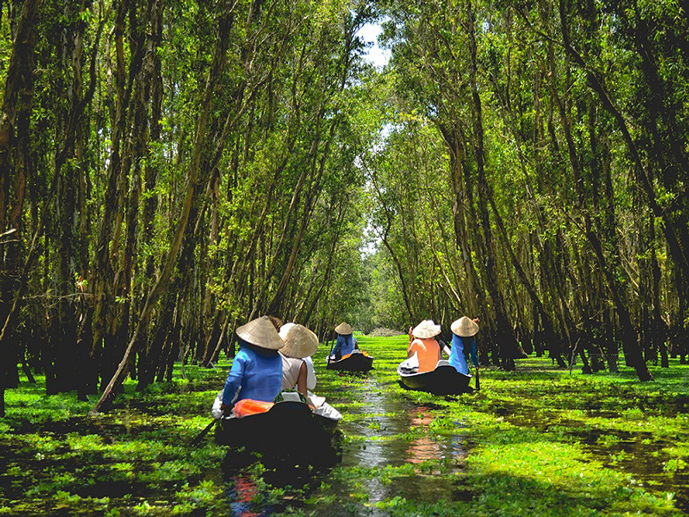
<point x="256" y="371"/>
<point x="427" y="349"/>
<point x="300" y="343"/>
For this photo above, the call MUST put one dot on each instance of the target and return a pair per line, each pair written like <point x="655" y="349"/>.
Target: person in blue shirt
<point x="256" y="371"/>
<point x="346" y="343"/>
<point x="463" y="332"/>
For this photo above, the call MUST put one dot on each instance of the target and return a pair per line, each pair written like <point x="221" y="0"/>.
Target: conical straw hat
<point x="426" y="329"/>
<point x="300" y="342"/>
<point x="261" y="333"/>
<point x="464" y="327"/>
<point x="344" y="329"/>
<point x="285" y="329"/>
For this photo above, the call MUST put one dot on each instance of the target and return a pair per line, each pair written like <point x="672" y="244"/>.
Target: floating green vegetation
<point x="538" y="441"/>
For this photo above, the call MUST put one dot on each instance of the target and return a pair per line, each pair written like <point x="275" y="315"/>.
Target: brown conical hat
<point x="464" y="327"/>
<point x="426" y="329"/>
<point x="261" y="333"/>
<point x="344" y="328"/>
<point x="300" y="342"/>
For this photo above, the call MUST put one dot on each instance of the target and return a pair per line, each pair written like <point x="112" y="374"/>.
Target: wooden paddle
<point x="203" y="433"/>
<point x="330" y="353"/>
<point x="478" y="384"/>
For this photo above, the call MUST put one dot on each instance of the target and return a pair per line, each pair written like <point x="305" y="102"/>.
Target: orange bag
<point x="246" y="407"/>
<point x="348" y="355"/>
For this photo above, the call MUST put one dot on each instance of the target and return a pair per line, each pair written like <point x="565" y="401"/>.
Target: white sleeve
<point x="310" y="374"/>
<point x="217" y="405"/>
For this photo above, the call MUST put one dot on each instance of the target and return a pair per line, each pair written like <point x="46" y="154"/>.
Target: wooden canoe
<point x="352" y="363"/>
<point x="288" y="430"/>
<point x="444" y="380"/>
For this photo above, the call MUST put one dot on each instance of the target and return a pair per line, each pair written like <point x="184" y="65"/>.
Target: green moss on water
<point x="538" y="441"/>
<point x="134" y="460"/>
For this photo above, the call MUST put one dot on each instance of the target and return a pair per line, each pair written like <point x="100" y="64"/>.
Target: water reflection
<point x="242" y="497"/>
<point x="378" y="426"/>
<point x="378" y="421"/>
<point x="250" y="485"/>
<point x="423" y="448"/>
<point x="250" y="493"/>
<point x="430" y="449"/>
<point x="384" y="421"/>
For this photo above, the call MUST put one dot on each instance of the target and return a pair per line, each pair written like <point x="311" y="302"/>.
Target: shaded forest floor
<point x="538" y="441"/>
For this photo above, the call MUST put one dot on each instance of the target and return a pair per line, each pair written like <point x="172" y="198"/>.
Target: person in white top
<point x="300" y="343"/>
<point x="297" y="367"/>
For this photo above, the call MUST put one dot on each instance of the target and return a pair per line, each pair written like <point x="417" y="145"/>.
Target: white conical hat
<point x="464" y="327"/>
<point x="426" y="329"/>
<point x="261" y="333"/>
<point x="300" y="342"/>
<point x="344" y="328"/>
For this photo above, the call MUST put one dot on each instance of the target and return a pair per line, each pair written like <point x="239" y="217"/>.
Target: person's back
<point x="425" y="346"/>
<point x="457" y="357"/>
<point x="463" y="343"/>
<point x="310" y="374"/>
<point x="300" y="344"/>
<point x="427" y="352"/>
<point x="344" y="345"/>
<point x="291" y="367"/>
<point x="257" y="372"/>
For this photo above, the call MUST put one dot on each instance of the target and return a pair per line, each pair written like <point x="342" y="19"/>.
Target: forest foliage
<point x="171" y="168"/>
<point x="534" y="174"/>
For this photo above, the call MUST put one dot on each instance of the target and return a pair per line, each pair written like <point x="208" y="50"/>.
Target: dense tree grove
<point x="171" y="168"/>
<point x="536" y="172"/>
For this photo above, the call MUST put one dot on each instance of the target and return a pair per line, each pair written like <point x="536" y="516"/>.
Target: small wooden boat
<point x="443" y="380"/>
<point x="355" y="362"/>
<point x="288" y="430"/>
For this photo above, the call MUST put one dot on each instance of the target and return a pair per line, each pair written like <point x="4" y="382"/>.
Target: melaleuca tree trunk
<point x="61" y="355"/>
<point x="225" y="20"/>
<point x="504" y="336"/>
<point x="106" y="350"/>
<point x="16" y="110"/>
<point x="608" y="264"/>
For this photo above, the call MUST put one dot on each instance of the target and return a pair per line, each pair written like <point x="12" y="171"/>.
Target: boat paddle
<point x="203" y="433"/>
<point x="478" y="384"/>
<point x="327" y="359"/>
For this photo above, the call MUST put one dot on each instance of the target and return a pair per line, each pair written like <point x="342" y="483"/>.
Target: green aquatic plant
<point x="674" y="465"/>
<point x="558" y="443"/>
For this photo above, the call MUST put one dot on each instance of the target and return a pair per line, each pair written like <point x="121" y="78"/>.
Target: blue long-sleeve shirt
<point x="257" y="372"/>
<point x="344" y="345"/>
<point x="457" y="358"/>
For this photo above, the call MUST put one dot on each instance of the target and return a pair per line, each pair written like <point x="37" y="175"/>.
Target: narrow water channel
<point x="384" y="421"/>
<point x="386" y="431"/>
<point x="382" y="430"/>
